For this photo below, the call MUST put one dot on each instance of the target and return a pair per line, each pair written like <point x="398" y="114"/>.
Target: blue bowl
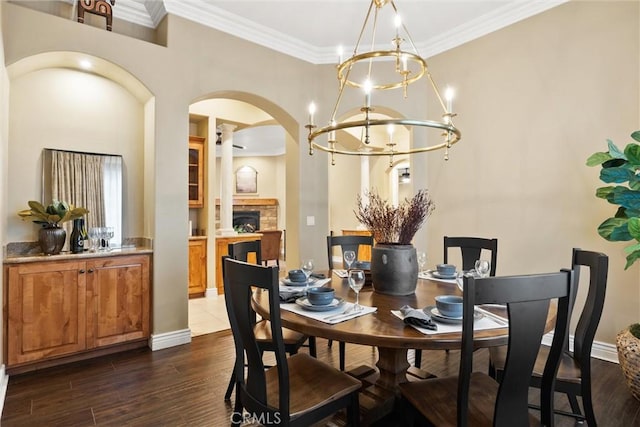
<point x="320" y="296"/>
<point x="297" y="276"/>
<point x="449" y="305"/>
<point x="446" y="269"/>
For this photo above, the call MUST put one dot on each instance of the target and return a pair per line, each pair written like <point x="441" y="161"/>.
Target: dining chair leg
<point x="312" y="347"/>
<point x="417" y="358"/>
<point x="341" y="352"/>
<point x="232" y="383"/>
<point x="353" y="411"/>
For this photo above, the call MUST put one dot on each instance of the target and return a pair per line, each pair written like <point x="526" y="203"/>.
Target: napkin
<point x="287" y="297"/>
<point x="415" y="317"/>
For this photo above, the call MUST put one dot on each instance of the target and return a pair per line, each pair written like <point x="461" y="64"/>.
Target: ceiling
<point x="312" y="30"/>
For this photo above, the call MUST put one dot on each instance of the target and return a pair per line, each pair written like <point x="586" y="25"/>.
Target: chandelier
<point x="381" y="70"/>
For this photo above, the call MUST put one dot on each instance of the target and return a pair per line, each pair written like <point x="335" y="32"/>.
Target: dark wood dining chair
<point x="262" y="329"/>
<point x="346" y="243"/>
<point x="471" y="248"/>
<point x="297" y="391"/>
<point x="479" y="399"/>
<point x="270" y="246"/>
<point x="574" y="374"/>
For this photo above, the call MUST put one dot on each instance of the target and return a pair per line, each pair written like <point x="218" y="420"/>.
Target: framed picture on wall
<point x="246" y="180"/>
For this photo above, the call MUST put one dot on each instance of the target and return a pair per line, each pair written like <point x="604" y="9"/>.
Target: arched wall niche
<point x="99" y="107"/>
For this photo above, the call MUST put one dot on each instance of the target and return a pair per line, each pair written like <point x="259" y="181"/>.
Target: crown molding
<point x="149" y="13"/>
<point x="486" y="24"/>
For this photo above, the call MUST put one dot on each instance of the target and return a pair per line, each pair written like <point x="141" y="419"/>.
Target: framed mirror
<point x="89" y="180"/>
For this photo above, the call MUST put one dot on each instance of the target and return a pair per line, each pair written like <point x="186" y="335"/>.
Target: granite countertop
<point x="20" y="252"/>
<point x="66" y="256"/>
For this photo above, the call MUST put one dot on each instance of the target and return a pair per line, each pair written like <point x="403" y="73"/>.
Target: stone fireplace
<point x="265" y="210"/>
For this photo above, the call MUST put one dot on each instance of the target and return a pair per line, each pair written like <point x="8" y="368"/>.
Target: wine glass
<point x="307" y="269"/>
<point x="422" y="260"/>
<point x="109" y="233"/>
<point x="483" y="267"/>
<point x="356" y="281"/>
<point x="349" y="257"/>
<point x="94" y="236"/>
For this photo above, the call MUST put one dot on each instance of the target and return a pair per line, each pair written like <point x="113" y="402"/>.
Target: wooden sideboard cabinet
<point x="197" y="267"/>
<point x="196" y="172"/>
<point x="63" y="308"/>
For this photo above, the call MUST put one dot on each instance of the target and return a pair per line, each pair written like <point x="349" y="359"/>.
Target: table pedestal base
<point x="379" y="394"/>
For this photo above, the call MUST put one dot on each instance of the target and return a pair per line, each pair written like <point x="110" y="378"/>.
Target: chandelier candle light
<point x="357" y="72"/>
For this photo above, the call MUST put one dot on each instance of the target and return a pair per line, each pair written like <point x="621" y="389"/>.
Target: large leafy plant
<point x="620" y="167"/>
<point x="53" y="214"/>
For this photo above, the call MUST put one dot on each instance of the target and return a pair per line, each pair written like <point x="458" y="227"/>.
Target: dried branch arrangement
<point x="394" y="225"/>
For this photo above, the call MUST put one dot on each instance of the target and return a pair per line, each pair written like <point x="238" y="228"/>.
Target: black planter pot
<point x="394" y="269"/>
<point x="51" y="239"/>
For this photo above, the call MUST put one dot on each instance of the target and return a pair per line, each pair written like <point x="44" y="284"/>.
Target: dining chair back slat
<point x="241" y="250"/>
<point x="471" y="248"/>
<point x="346" y="243"/>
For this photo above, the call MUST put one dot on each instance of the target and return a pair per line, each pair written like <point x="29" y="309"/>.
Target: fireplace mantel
<point x="252" y="202"/>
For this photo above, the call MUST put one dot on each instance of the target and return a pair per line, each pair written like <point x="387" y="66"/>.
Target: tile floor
<point x="207" y="315"/>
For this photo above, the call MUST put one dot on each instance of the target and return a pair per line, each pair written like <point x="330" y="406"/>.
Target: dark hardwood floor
<point x="185" y="385"/>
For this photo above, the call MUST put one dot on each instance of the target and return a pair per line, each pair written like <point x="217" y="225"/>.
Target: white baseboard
<point x="169" y="339"/>
<point x="4" y="383"/>
<point x="600" y="350"/>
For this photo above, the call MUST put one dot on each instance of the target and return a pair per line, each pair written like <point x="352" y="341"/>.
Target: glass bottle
<point x="85" y="236"/>
<point x="77" y="239"/>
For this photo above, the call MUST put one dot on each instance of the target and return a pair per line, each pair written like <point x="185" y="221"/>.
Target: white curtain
<point x="112" y="185"/>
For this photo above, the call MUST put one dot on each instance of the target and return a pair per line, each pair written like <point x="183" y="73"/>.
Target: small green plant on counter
<point x="52" y="215"/>
<point x="619" y="167"/>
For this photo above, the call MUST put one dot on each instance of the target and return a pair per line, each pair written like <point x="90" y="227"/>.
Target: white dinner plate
<point x="304" y="303"/>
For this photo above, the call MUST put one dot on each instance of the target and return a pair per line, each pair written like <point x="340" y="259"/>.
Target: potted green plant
<point x="394" y="266"/>
<point x="51" y="236"/>
<point x="622" y="168"/>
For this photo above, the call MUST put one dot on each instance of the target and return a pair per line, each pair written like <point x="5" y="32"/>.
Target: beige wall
<point x="4" y="156"/>
<point x="534" y="100"/>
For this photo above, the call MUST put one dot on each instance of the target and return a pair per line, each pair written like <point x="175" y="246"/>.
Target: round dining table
<point x="383" y="330"/>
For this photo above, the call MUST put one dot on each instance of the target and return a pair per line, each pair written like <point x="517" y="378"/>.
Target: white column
<point x="364" y="181"/>
<point x="226" y="181"/>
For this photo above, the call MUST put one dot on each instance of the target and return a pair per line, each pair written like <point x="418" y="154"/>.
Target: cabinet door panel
<point x="46" y="311"/>
<point x="197" y="267"/>
<point x="120" y="300"/>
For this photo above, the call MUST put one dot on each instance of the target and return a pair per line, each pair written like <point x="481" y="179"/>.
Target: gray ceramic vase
<point x="394" y="269"/>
